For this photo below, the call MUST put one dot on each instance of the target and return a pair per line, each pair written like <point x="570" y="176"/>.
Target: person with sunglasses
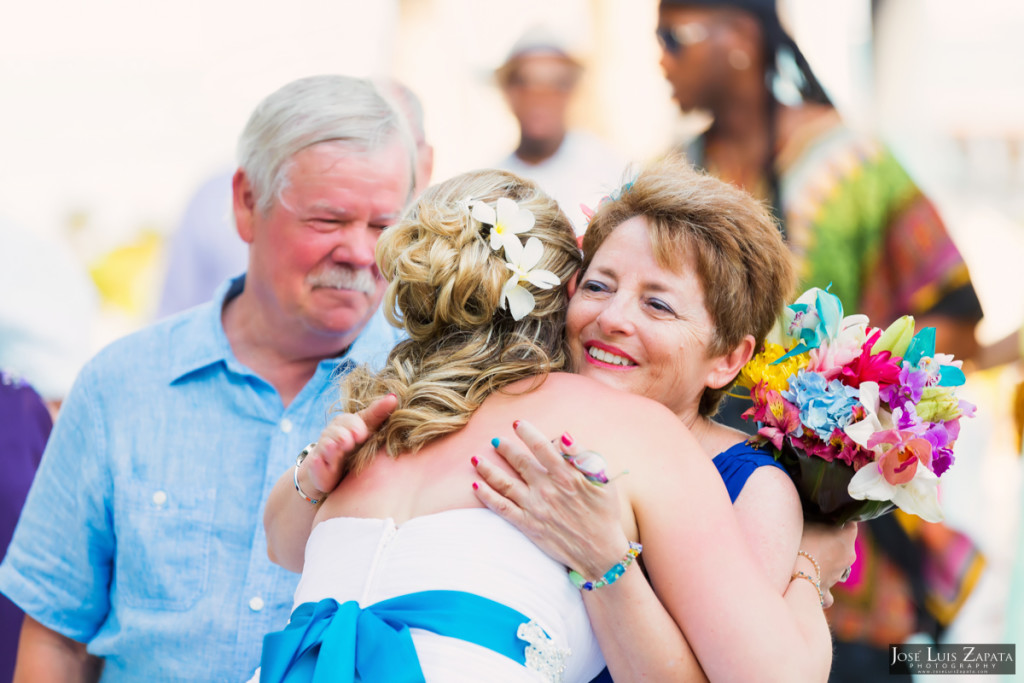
<point x="853" y="217"/>
<point x="849" y="211"/>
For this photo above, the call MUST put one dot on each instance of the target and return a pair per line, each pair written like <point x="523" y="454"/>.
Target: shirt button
<point x="256" y="604"/>
<point x="286" y="426"/>
<point x="159" y="498"/>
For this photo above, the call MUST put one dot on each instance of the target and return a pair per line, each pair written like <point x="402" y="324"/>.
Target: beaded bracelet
<point x="814" y="582"/>
<point x="610" y="576"/>
<point x="295" y="473"/>
<point x="817" y="567"/>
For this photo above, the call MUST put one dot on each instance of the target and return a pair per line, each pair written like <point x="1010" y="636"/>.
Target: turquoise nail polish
<point x="495" y="441"/>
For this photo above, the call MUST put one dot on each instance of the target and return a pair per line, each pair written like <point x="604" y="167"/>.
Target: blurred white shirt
<point x="48" y="310"/>
<point x="582" y="171"/>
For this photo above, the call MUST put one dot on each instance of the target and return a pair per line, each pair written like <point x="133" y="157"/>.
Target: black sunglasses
<point x="674" y="38"/>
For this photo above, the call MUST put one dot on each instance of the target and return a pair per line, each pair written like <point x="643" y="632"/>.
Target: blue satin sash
<point x="328" y="642"/>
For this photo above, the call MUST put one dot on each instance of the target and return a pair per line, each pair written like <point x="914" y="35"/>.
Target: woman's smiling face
<point x="639" y="327"/>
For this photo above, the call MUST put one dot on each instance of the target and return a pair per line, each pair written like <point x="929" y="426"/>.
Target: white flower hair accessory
<point x="521" y="260"/>
<point x="507" y="220"/>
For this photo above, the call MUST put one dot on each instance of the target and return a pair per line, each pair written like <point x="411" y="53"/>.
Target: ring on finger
<point x="591" y="465"/>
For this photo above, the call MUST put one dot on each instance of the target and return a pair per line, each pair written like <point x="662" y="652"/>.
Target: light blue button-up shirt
<point x="142" y="535"/>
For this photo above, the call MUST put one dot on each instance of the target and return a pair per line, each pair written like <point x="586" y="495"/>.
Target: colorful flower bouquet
<point x="862" y="419"/>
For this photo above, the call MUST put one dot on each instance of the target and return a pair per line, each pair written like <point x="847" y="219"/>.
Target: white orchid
<point x="875" y="419"/>
<point x="521" y="260"/>
<point x="919" y="496"/>
<point x="507" y="221"/>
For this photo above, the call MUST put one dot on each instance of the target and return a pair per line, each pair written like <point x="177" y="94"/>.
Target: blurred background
<point x="115" y="112"/>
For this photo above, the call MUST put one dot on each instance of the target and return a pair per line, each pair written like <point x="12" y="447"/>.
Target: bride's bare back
<point x="440" y="476"/>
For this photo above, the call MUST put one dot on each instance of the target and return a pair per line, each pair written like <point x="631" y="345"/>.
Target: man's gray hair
<point x="311" y="111"/>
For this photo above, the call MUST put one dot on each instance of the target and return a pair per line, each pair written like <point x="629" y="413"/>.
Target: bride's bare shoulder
<point x="600" y="399"/>
<point x="632" y="432"/>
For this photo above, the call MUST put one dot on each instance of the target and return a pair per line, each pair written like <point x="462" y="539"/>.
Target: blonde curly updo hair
<point x="445" y="290"/>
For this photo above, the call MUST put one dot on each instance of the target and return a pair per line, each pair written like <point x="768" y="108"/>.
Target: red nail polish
<point x="566" y="439"/>
<point x="475" y="486"/>
<point x="474" y="460"/>
<point x="391" y="393"/>
<point x="515" y="425"/>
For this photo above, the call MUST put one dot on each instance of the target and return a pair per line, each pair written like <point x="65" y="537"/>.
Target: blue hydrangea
<point x="824" y="406"/>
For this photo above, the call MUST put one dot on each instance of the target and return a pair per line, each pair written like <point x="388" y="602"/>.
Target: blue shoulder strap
<point x="737" y="463"/>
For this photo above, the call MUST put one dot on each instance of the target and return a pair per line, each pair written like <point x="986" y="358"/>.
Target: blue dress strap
<point x="738" y="462"/>
<point x="331" y="642"/>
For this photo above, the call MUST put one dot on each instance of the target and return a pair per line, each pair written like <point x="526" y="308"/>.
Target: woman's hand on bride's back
<point x="344" y="434"/>
<point x="572" y="519"/>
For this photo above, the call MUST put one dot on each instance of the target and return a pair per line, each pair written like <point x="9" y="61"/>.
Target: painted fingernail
<point x="495" y="441"/>
<point x="391" y="393"/>
<point x="515" y="425"/>
<point x="474" y="460"/>
<point x="566" y="439"/>
<point x="475" y="486"/>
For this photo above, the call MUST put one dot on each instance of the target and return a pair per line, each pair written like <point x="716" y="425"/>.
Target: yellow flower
<point x="760" y="368"/>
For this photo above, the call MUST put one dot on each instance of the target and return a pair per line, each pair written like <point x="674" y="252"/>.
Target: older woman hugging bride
<point x="403" y="556"/>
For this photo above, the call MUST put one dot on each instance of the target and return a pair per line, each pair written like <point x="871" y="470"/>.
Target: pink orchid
<point x="895" y="475"/>
<point x="905" y="450"/>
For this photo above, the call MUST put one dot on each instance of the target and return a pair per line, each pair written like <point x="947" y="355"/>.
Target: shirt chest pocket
<point x="163" y="545"/>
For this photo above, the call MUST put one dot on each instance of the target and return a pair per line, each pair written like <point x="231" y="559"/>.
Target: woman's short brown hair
<point x="742" y="262"/>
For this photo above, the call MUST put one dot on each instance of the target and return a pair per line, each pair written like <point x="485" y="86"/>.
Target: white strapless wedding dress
<point x="470" y="550"/>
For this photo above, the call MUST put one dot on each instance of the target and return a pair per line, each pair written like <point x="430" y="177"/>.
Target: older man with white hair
<point x="140" y="554"/>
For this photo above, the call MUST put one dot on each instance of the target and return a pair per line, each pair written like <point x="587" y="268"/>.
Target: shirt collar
<point x="199" y="340"/>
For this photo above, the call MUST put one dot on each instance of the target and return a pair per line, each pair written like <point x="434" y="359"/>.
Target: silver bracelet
<point x="295" y="473"/>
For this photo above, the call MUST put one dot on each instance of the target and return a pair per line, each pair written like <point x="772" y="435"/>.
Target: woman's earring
<point x="739" y="60"/>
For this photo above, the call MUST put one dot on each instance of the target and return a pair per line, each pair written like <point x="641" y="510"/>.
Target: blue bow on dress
<point x="328" y="642"/>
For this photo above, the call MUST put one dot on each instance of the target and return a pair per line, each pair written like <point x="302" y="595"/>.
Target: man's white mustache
<point x="344" y="277"/>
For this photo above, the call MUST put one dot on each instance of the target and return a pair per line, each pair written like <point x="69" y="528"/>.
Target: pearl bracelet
<point x="295" y="473"/>
<point x="610" y="576"/>
<point x="817" y="567"/>
<point x="814" y="582"/>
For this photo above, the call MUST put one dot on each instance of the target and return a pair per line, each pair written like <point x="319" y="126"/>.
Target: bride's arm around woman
<point x="481" y="289"/>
